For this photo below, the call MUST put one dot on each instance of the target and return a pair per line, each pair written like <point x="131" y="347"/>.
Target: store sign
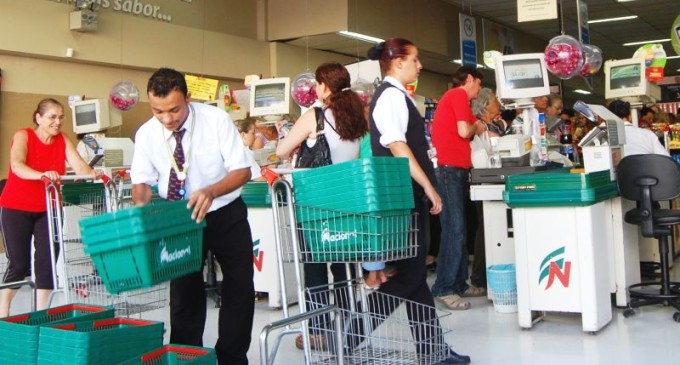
<point x="468" y="40"/>
<point x="530" y="10"/>
<point x="554" y="266"/>
<point x="136" y="7"/>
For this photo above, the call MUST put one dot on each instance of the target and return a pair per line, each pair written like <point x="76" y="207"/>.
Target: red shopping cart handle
<point x="269" y="174"/>
<point x="49" y="181"/>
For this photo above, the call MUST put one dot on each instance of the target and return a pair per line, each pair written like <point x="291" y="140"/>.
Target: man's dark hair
<point x="164" y="81"/>
<point x="620" y="108"/>
<point x="461" y="74"/>
<point x="646" y="110"/>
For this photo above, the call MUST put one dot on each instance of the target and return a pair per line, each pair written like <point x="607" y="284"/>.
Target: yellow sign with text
<point x="201" y="88"/>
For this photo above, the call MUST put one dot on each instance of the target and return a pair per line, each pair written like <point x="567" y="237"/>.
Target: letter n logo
<point x="554" y="267"/>
<point x="258" y="256"/>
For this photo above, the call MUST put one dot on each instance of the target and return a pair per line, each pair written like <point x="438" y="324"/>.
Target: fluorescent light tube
<point x="584" y="92"/>
<point x="361" y="37"/>
<point x="458" y="61"/>
<point x="649" y="41"/>
<point x="616" y="19"/>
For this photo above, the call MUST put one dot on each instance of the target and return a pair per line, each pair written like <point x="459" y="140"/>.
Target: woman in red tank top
<point x="34" y="153"/>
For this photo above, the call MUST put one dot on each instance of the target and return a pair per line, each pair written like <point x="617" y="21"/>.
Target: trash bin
<point x="503" y="286"/>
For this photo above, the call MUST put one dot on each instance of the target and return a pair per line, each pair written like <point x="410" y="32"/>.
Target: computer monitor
<point x="270" y="97"/>
<point x="94" y="115"/>
<point x="626" y="78"/>
<point x="521" y="77"/>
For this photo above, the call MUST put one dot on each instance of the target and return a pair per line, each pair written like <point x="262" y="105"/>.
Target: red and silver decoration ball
<point x="592" y="60"/>
<point x="564" y="56"/>
<point x="124" y="95"/>
<point x="364" y="89"/>
<point x="303" y="89"/>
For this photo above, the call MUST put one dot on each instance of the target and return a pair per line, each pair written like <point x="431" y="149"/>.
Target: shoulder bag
<point x="319" y="154"/>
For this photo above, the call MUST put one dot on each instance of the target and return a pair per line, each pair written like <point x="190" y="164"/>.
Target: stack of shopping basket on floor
<point x="129" y="252"/>
<point x="77" y="334"/>
<point x="354" y="212"/>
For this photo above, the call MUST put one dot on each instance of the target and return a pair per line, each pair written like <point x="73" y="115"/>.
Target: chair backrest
<point x="662" y="173"/>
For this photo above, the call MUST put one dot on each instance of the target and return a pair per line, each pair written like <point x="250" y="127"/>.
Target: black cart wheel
<point x="676" y="316"/>
<point x="628" y="312"/>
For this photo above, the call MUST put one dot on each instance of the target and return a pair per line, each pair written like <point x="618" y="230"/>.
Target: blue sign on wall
<point x="470" y="53"/>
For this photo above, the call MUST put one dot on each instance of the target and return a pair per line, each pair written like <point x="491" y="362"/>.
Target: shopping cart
<point x="123" y="189"/>
<point x="376" y="328"/>
<point x="75" y="276"/>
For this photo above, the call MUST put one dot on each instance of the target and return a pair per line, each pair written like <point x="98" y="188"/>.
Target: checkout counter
<point x="258" y="199"/>
<point x="565" y="233"/>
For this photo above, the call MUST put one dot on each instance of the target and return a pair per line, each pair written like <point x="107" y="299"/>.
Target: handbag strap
<point x="319" y="119"/>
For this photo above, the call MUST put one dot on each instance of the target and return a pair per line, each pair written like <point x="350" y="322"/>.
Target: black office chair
<point x="648" y="179"/>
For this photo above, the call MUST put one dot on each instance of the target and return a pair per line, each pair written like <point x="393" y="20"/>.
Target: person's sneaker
<point x="455" y="358"/>
<point x="453" y="302"/>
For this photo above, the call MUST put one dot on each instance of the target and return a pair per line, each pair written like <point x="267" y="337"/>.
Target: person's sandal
<point x="453" y="302"/>
<point x="474" y="291"/>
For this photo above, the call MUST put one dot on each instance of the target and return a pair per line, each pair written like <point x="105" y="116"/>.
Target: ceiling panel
<point x="654" y="22"/>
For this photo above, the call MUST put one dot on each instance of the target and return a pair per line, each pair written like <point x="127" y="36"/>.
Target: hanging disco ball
<point x="564" y="56"/>
<point x="124" y="95"/>
<point x="364" y="89"/>
<point x="303" y="89"/>
<point x="592" y="60"/>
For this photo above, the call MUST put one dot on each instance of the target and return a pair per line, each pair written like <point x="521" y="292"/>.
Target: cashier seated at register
<point x="639" y="141"/>
<point x="246" y="128"/>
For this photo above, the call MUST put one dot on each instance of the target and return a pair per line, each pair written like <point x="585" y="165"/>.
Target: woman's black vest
<point x="415" y="139"/>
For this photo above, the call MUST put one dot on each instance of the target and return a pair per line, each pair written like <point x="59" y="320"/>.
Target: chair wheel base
<point x="630" y="312"/>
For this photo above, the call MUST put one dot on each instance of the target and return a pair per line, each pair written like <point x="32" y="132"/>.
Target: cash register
<point x="514" y="151"/>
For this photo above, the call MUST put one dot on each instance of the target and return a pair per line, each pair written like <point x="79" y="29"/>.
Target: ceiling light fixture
<point x="361" y="37"/>
<point x="616" y="19"/>
<point x="584" y="92"/>
<point x="646" y="42"/>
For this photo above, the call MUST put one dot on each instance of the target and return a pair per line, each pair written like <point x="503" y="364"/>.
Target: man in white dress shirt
<point x="211" y="179"/>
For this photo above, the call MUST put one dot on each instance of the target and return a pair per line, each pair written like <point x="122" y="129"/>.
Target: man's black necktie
<point x="174" y="184"/>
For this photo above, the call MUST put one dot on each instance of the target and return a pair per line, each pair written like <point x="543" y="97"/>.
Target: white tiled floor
<point x="490" y="338"/>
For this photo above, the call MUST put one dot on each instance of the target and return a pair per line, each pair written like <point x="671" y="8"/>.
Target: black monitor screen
<point x="86" y="114"/>
<point x="522" y="74"/>
<point x="270" y="95"/>
<point x="621" y="77"/>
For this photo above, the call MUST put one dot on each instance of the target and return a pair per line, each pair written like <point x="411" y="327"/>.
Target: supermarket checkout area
<point x="257" y="197"/>
<point x="565" y="232"/>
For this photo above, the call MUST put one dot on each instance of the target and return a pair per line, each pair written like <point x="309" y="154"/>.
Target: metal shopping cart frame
<point x="375" y="332"/>
<point x="74" y="274"/>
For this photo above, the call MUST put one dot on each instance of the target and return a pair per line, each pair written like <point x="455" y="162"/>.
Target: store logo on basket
<point x="554" y="266"/>
<point x="327" y="237"/>
<point x="169" y="257"/>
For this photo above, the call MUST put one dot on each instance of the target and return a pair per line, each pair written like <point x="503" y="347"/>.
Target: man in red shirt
<point x="454" y="125"/>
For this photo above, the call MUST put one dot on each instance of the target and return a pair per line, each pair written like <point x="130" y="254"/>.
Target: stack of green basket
<point x="558" y="188"/>
<point x="19" y="334"/>
<point x="256" y="194"/>
<point x="77" y="193"/>
<point x="356" y="210"/>
<point x="102" y="342"/>
<point x="143" y="246"/>
<point x="176" y="355"/>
